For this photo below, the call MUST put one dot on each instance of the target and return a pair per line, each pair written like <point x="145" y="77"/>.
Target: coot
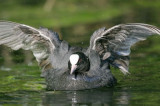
<point x="74" y="68"/>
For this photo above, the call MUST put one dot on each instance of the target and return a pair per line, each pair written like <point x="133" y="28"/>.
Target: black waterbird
<point x="73" y="68"/>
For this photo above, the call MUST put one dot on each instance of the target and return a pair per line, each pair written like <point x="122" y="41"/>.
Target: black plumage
<point x="74" y="68"/>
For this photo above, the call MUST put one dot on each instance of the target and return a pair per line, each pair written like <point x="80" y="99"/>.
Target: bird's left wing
<point x="41" y="42"/>
<point x="114" y="44"/>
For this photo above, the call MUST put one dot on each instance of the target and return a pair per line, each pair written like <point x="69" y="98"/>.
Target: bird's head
<point x="78" y="63"/>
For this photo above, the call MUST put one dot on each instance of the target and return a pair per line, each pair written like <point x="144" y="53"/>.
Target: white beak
<point x="73" y="68"/>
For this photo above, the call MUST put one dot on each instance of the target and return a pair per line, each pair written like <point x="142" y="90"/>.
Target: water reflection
<point x="103" y="97"/>
<point x="123" y="97"/>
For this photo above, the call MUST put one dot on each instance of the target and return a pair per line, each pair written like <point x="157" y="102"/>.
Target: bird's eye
<point x="80" y="60"/>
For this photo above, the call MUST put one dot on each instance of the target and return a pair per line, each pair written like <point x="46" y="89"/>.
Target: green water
<point x="22" y="84"/>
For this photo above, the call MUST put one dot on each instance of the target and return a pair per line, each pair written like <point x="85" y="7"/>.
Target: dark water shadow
<point x="100" y="96"/>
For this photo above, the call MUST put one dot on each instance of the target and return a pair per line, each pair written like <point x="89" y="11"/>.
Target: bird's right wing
<point x="41" y="42"/>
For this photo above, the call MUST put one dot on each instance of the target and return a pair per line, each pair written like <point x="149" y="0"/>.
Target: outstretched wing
<point x="114" y="44"/>
<point x="41" y="42"/>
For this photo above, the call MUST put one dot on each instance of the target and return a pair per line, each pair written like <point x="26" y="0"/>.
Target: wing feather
<point x="41" y="42"/>
<point x="118" y="41"/>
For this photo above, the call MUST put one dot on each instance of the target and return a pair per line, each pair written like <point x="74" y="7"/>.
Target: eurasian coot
<point x="74" y="68"/>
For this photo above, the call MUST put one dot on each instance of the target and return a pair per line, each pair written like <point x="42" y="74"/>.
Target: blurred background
<point x="74" y="20"/>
